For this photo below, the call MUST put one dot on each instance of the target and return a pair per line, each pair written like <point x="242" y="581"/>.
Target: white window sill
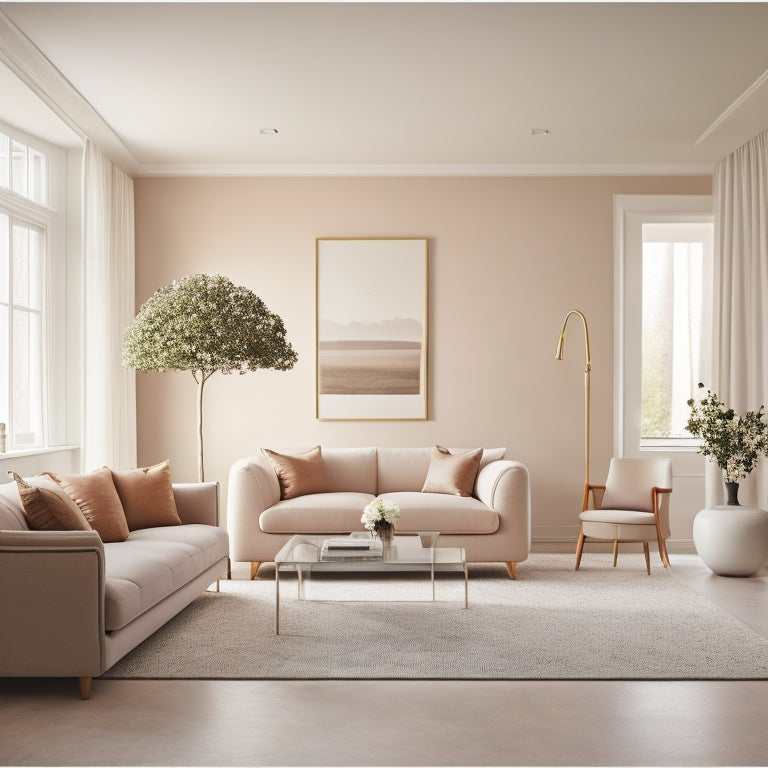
<point x="681" y="446"/>
<point x="38" y="452"/>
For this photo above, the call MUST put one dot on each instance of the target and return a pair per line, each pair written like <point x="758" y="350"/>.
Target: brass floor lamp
<point x="587" y="371"/>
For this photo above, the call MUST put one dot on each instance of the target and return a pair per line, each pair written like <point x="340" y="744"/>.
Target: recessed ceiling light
<point x="268" y="131"/>
<point x="539" y="131"/>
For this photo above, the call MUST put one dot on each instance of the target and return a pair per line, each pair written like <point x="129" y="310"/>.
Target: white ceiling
<point x="404" y="87"/>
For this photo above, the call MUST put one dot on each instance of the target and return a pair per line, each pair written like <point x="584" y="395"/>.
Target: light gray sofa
<point x="493" y="525"/>
<point x="72" y="606"/>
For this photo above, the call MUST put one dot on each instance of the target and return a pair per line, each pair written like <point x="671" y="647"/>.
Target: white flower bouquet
<point x="379" y="516"/>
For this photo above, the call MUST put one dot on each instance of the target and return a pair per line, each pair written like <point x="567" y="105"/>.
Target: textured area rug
<point x="552" y="623"/>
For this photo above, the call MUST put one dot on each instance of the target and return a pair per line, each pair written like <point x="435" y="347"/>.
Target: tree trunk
<point x="200" y="384"/>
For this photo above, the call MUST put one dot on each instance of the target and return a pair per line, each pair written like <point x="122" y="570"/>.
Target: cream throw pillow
<point x="147" y="496"/>
<point x="47" y="507"/>
<point x="452" y="473"/>
<point x="299" y="473"/>
<point x="95" y="494"/>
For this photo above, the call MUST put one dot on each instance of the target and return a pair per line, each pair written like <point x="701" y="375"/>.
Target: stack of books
<point x="351" y="548"/>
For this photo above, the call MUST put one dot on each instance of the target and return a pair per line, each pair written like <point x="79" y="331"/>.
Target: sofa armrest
<point x="52" y="604"/>
<point x="504" y="486"/>
<point x="253" y="487"/>
<point x="197" y="502"/>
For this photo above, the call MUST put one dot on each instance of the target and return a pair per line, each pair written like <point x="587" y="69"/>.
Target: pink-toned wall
<point x="508" y="257"/>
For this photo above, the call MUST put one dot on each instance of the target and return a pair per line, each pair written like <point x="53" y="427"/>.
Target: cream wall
<point x="508" y="257"/>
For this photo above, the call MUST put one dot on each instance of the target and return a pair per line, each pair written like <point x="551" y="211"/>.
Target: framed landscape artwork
<point x="371" y="328"/>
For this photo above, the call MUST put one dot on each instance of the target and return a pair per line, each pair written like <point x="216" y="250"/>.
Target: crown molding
<point x="36" y="71"/>
<point x="469" y="169"/>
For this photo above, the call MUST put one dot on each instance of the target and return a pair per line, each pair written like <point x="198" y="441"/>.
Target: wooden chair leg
<point x="664" y="555"/>
<point x="85" y="687"/>
<point x="254" y="569"/>
<point x="579" y="548"/>
<point x="647" y="557"/>
<point x="512" y="570"/>
<point x="615" y="552"/>
<point x="663" y="550"/>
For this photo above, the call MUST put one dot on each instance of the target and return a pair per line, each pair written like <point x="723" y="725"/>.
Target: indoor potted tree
<point x="734" y="442"/>
<point x="732" y="540"/>
<point x="204" y="324"/>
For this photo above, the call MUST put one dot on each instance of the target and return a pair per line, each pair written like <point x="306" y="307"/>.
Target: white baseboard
<point x="562" y="539"/>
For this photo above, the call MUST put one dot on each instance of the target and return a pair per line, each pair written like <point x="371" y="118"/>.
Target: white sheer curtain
<point x="740" y="316"/>
<point x="109" y="404"/>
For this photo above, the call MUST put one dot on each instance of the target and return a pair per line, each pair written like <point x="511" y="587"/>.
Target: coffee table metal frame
<point x="302" y="553"/>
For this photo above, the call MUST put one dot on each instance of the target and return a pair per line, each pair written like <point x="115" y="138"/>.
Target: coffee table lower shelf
<point x="302" y="554"/>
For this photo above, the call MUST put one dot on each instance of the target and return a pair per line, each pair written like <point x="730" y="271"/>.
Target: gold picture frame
<point x="371" y="328"/>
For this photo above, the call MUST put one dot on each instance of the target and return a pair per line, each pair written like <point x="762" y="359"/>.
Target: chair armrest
<point x="658" y="499"/>
<point x="197" y="502"/>
<point x="597" y="492"/>
<point x="52" y="604"/>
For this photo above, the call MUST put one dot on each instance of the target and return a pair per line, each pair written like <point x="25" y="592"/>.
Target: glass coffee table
<point x="357" y="553"/>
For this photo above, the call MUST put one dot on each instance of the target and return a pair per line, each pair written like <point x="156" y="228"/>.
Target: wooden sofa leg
<point x="85" y="687"/>
<point x="254" y="570"/>
<point x="511" y="570"/>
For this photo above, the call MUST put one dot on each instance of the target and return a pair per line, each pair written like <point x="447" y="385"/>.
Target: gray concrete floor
<point x="359" y="723"/>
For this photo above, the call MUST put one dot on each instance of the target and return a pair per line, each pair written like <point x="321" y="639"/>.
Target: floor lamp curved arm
<point x="587" y="397"/>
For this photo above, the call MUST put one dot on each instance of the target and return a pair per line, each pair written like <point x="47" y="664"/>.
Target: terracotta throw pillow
<point x="47" y="507"/>
<point x="299" y="473"/>
<point x="452" y="473"/>
<point x="147" y="496"/>
<point x="95" y="494"/>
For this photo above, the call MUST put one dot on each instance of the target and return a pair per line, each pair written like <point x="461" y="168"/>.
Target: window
<point x="32" y="259"/>
<point x="675" y="255"/>
<point x="663" y="310"/>
<point x="21" y="330"/>
<point x="23" y="170"/>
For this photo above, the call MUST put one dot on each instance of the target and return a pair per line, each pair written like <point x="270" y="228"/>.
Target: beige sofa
<point x="493" y="524"/>
<point x="72" y="606"/>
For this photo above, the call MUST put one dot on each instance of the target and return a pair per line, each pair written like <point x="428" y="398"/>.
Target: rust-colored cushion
<point x="96" y="495"/>
<point x="147" y="496"/>
<point x="47" y="507"/>
<point x="299" y="473"/>
<point x="452" y="473"/>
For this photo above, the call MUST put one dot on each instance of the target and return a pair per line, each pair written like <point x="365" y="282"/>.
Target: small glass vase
<point x="385" y="533"/>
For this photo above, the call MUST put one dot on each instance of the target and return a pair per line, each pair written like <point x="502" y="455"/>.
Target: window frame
<point x="630" y="213"/>
<point x="51" y="217"/>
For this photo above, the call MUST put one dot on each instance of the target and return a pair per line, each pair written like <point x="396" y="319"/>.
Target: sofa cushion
<point x="316" y="513"/>
<point x="152" y="563"/>
<point x="11" y="510"/>
<point x="402" y="469"/>
<point x="441" y="512"/>
<point x="299" y="473"/>
<point x="351" y="469"/>
<point x="405" y="469"/>
<point x="47" y="507"/>
<point x="452" y="473"/>
<point x="147" y="496"/>
<point x="96" y="495"/>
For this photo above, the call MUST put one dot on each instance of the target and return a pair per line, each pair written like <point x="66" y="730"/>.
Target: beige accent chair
<point x="632" y="506"/>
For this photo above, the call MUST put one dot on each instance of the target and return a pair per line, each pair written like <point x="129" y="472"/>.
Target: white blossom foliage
<point x="205" y="323"/>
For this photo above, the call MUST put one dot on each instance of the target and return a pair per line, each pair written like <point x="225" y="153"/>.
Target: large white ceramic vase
<point x="732" y="540"/>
